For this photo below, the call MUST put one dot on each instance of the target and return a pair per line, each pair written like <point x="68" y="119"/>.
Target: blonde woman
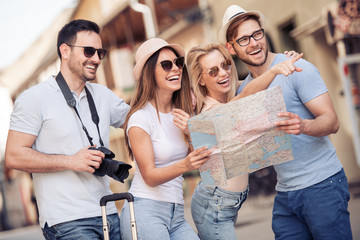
<point x="159" y="145"/>
<point x="214" y="82"/>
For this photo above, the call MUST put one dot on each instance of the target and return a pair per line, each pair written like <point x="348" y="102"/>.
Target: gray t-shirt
<point x="42" y="111"/>
<point x="314" y="157"/>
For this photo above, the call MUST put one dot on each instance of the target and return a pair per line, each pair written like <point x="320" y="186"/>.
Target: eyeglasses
<point x="214" y="71"/>
<point x="90" y="51"/>
<point x="257" y="35"/>
<point x="167" y="64"/>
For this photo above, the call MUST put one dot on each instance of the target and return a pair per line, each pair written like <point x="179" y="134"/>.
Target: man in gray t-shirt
<point x="47" y="138"/>
<point x="312" y="190"/>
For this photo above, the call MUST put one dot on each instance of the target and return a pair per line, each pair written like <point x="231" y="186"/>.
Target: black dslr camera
<point x="116" y="169"/>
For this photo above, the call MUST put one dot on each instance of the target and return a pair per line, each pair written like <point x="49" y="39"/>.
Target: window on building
<point x="286" y="41"/>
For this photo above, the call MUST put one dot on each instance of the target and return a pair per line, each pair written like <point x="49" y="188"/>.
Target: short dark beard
<point x="251" y="63"/>
<point x="260" y="64"/>
<point x="77" y="72"/>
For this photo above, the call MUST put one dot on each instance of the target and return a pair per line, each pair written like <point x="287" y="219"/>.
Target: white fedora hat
<point x="234" y="12"/>
<point x="147" y="49"/>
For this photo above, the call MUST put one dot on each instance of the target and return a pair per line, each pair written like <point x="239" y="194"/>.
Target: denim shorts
<point x="83" y="229"/>
<point x="316" y="212"/>
<point x="215" y="211"/>
<point x="156" y="220"/>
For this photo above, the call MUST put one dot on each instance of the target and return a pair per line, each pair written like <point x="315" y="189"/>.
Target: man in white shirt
<point x="50" y="139"/>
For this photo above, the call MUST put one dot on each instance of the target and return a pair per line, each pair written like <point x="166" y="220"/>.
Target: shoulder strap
<point x="94" y="114"/>
<point x="65" y="90"/>
<point x="72" y="103"/>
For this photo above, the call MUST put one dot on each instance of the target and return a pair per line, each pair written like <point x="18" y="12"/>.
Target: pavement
<point x="254" y="220"/>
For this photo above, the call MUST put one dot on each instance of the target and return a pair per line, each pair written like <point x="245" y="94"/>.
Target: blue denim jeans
<point x="316" y="212"/>
<point x="83" y="229"/>
<point x="215" y="211"/>
<point x="156" y="220"/>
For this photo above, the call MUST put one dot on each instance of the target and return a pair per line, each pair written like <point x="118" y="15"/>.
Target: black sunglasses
<point x="167" y="64"/>
<point x="90" y="51"/>
<point x="214" y="71"/>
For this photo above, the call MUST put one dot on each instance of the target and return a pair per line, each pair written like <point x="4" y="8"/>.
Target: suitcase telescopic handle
<point x="116" y="196"/>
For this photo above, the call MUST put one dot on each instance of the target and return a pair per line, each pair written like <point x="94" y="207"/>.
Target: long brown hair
<point x="145" y="90"/>
<point x="195" y="71"/>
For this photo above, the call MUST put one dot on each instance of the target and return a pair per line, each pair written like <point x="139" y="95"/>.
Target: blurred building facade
<point x="301" y="25"/>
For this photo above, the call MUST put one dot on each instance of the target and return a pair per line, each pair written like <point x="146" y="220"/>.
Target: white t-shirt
<point x="43" y="112"/>
<point x="169" y="147"/>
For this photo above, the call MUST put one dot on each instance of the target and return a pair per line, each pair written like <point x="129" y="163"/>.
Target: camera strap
<point x="72" y="103"/>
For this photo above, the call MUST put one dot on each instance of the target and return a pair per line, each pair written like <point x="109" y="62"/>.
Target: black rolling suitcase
<point x="115" y="197"/>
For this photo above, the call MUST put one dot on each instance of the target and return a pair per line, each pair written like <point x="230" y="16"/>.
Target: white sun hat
<point x="147" y="49"/>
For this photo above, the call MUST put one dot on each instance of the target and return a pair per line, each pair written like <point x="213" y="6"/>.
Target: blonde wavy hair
<point x="195" y="71"/>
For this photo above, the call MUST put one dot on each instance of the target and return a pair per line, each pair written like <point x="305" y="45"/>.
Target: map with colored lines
<point x="242" y="136"/>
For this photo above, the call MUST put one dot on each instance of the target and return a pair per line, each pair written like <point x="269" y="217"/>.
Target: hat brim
<point x="140" y="64"/>
<point x="223" y="30"/>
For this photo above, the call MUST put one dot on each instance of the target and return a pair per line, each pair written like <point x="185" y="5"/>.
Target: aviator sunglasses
<point x="167" y="64"/>
<point x="90" y="51"/>
<point x="214" y="71"/>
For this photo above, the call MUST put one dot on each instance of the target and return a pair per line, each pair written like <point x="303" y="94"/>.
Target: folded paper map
<point x="242" y="136"/>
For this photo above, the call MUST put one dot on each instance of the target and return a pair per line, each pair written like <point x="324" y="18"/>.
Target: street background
<point x="29" y="56"/>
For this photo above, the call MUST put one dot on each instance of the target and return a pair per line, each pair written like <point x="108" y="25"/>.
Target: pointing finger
<point x="293" y="60"/>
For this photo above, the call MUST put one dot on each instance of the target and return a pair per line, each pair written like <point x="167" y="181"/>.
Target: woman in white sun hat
<point x="156" y="138"/>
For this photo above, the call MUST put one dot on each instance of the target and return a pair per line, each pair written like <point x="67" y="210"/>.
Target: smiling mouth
<point x="92" y="68"/>
<point x="255" y="52"/>
<point x="223" y="81"/>
<point x="173" y="78"/>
